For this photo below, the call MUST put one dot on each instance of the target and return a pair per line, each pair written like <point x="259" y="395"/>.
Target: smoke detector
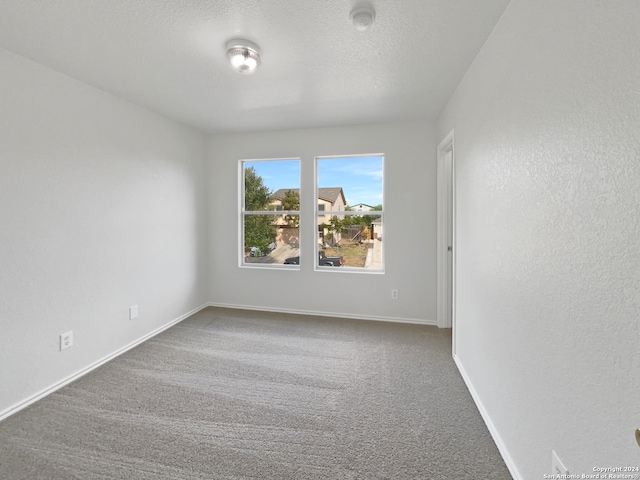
<point x="362" y="17"/>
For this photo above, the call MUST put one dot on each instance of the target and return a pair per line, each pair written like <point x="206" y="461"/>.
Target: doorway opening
<point x="446" y="235"/>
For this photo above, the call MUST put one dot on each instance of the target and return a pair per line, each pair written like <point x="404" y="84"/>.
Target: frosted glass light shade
<point x="243" y="56"/>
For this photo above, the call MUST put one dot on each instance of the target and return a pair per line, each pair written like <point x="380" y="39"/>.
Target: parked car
<point x="323" y="260"/>
<point x="256" y="252"/>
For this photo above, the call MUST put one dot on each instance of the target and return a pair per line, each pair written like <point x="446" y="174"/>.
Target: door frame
<point x="444" y="148"/>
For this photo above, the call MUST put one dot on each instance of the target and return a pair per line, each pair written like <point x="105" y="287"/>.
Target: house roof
<point x="329" y="194"/>
<point x="279" y="194"/>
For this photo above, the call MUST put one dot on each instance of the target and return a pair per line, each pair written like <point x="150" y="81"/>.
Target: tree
<point x="365" y="220"/>
<point x="364" y="233"/>
<point x="291" y="202"/>
<point x="259" y="230"/>
<point x="335" y="226"/>
<point x="256" y="193"/>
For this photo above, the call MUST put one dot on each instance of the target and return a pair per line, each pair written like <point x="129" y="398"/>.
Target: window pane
<point x="270" y="186"/>
<point x="350" y="220"/>
<point x="284" y="247"/>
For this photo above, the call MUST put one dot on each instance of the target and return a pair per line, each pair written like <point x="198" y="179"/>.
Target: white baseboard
<point x="502" y="448"/>
<point x="58" y="385"/>
<point x="327" y="314"/>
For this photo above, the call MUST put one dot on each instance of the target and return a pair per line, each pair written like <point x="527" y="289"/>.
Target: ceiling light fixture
<point x="243" y="55"/>
<point x="362" y="17"/>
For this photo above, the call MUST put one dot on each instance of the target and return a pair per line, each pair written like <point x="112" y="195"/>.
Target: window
<point x="269" y="238"/>
<point x="349" y="237"/>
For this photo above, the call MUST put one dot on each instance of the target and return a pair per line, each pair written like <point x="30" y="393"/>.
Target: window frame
<point x="242" y="212"/>
<point x="324" y="213"/>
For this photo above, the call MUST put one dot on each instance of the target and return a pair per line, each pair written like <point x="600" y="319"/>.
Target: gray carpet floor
<point x="231" y="394"/>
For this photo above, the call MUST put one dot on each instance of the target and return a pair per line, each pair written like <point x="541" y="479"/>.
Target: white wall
<point x="547" y="151"/>
<point x="410" y="225"/>
<point x="102" y="206"/>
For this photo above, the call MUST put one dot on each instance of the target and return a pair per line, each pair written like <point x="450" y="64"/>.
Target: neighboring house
<point x="330" y="199"/>
<point x="287" y="231"/>
<point x="362" y="207"/>
<point x="276" y="202"/>
<point x="377" y="228"/>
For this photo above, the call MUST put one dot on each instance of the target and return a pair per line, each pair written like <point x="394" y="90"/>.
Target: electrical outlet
<point x="394" y="294"/>
<point x="66" y="340"/>
<point x="133" y="312"/>
<point x="557" y="467"/>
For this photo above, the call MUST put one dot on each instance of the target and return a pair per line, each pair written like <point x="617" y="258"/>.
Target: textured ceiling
<point x="168" y="56"/>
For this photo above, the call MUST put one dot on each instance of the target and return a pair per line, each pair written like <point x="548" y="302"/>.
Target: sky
<point x="359" y="177"/>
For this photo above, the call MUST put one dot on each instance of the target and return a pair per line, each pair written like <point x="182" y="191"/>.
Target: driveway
<point x="374" y="255"/>
<point x="277" y="255"/>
